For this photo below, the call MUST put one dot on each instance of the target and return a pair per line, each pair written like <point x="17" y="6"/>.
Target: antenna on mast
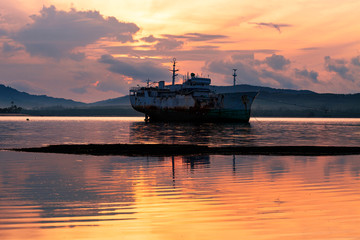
<point x="234" y="76"/>
<point x="174" y="70"/>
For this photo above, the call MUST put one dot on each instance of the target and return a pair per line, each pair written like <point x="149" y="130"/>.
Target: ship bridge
<point x="197" y="81"/>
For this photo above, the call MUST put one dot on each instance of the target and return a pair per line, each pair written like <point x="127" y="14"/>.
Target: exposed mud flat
<point x="179" y="149"/>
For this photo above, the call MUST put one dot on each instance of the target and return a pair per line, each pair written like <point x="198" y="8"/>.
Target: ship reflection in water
<point x="57" y="196"/>
<point x="212" y="134"/>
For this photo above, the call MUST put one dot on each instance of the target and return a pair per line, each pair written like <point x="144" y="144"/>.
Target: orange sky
<point x="94" y="50"/>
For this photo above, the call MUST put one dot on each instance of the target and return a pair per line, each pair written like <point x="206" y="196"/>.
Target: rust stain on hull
<point x="219" y="109"/>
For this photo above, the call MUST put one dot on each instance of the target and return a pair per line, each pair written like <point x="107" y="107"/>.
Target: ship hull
<point x="225" y="107"/>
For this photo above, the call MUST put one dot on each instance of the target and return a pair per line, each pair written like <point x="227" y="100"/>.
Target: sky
<point x="95" y="50"/>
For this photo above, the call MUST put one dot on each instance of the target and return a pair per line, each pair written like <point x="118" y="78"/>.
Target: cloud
<point x="197" y="37"/>
<point x="136" y="69"/>
<point x="356" y="61"/>
<point x="195" y="53"/>
<point x="80" y="75"/>
<point x="78" y="56"/>
<point x="3" y="32"/>
<point x="309" y="49"/>
<point x="245" y="69"/>
<point x="112" y="85"/>
<point x="163" y="43"/>
<point x="339" y="66"/>
<point x="277" y="62"/>
<point x="168" y="44"/>
<point x="276" y="26"/>
<point x="26" y="86"/>
<point x="283" y="80"/>
<point x="245" y="56"/>
<point x="65" y="79"/>
<point x="150" y="39"/>
<point x="79" y="90"/>
<point x="254" y="72"/>
<point x="56" y="33"/>
<point x="312" y="75"/>
<point x="9" y="48"/>
<point x="206" y="47"/>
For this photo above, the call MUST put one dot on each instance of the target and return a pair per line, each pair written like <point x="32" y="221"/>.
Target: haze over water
<point x="63" y="196"/>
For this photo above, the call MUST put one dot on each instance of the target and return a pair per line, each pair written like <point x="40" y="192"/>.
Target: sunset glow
<point x="61" y="48"/>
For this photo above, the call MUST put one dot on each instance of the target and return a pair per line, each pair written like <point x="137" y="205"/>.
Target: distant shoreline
<point x="13" y="114"/>
<point x="178" y="150"/>
<point x="142" y="115"/>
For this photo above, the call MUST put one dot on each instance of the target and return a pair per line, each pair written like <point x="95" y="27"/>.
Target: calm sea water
<point x="55" y="196"/>
<point x="60" y="196"/>
<point x="38" y="131"/>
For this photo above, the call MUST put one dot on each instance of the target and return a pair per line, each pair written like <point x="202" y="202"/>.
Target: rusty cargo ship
<point x="194" y="100"/>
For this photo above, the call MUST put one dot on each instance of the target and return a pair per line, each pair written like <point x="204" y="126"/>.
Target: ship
<point x="194" y="100"/>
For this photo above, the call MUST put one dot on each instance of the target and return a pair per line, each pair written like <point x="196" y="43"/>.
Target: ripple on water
<point x="203" y="197"/>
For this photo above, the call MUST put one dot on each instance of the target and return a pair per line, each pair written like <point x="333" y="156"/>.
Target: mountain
<point x="251" y="88"/>
<point x="25" y="100"/>
<point x="42" y="105"/>
<point x="270" y="102"/>
<point x="120" y="101"/>
<point x="306" y="104"/>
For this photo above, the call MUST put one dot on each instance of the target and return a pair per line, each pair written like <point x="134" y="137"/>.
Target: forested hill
<point x="302" y="104"/>
<point x="25" y="100"/>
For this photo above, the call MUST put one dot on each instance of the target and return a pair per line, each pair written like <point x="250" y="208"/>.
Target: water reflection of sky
<point x="192" y="197"/>
<point x="260" y="132"/>
<point x="204" y="134"/>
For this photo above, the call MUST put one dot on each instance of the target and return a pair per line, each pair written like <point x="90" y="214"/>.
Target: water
<point x="55" y="196"/>
<point x="61" y="196"/>
<point x="38" y="131"/>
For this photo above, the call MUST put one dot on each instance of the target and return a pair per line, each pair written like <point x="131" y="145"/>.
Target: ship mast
<point x="174" y="70"/>
<point x="234" y="76"/>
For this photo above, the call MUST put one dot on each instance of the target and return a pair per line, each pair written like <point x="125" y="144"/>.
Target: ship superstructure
<point x="194" y="100"/>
